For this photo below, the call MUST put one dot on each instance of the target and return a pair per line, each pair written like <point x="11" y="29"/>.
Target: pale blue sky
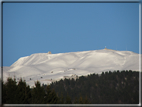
<point x="68" y="27"/>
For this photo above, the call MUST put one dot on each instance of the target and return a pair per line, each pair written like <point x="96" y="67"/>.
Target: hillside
<point x="108" y="88"/>
<point x="47" y="67"/>
<point x="117" y="87"/>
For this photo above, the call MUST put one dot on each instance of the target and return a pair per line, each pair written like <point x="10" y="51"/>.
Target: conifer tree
<point x="3" y="93"/>
<point x="61" y="99"/>
<point x="38" y="94"/>
<point x="68" y="100"/>
<point x="51" y="97"/>
<point x="24" y="92"/>
<point x="11" y="91"/>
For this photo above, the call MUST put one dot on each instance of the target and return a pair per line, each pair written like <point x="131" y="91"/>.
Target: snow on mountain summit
<point x="46" y="67"/>
<point x="30" y="60"/>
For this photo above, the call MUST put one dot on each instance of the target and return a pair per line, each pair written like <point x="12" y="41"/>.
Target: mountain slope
<point x="50" y="67"/>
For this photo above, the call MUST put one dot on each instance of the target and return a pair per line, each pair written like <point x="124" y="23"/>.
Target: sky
<point x="30" y="28"/>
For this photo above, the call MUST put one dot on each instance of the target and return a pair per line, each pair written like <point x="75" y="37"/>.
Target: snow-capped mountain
<point x="47" y="67"/>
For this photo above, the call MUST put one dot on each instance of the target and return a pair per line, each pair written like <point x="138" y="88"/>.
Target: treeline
<point x="108" y="88"/>
<point x="21" y="93"/>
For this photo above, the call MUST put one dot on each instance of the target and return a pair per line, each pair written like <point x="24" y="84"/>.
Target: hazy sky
<point x="68" y="27"/>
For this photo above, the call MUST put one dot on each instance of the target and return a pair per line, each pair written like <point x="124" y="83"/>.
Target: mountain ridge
<point x="43" y="66"/>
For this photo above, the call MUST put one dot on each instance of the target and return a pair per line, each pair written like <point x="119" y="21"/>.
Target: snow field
<point x="51" y="67"/>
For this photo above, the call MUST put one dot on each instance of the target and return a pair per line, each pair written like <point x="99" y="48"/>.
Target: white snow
<point x="51" y="67"/>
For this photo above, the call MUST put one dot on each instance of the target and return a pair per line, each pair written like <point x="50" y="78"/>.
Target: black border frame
<point x="70" y="1"/>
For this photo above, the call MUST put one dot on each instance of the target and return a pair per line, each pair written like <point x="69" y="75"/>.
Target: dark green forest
<point x="117" y="87"/>
<point x="108" y="88"/>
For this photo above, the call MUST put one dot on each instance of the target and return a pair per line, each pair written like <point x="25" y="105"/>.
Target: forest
<point x="117" y="87"/>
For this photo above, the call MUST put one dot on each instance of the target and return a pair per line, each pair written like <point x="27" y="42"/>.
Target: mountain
<point x="47" y="67"/>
